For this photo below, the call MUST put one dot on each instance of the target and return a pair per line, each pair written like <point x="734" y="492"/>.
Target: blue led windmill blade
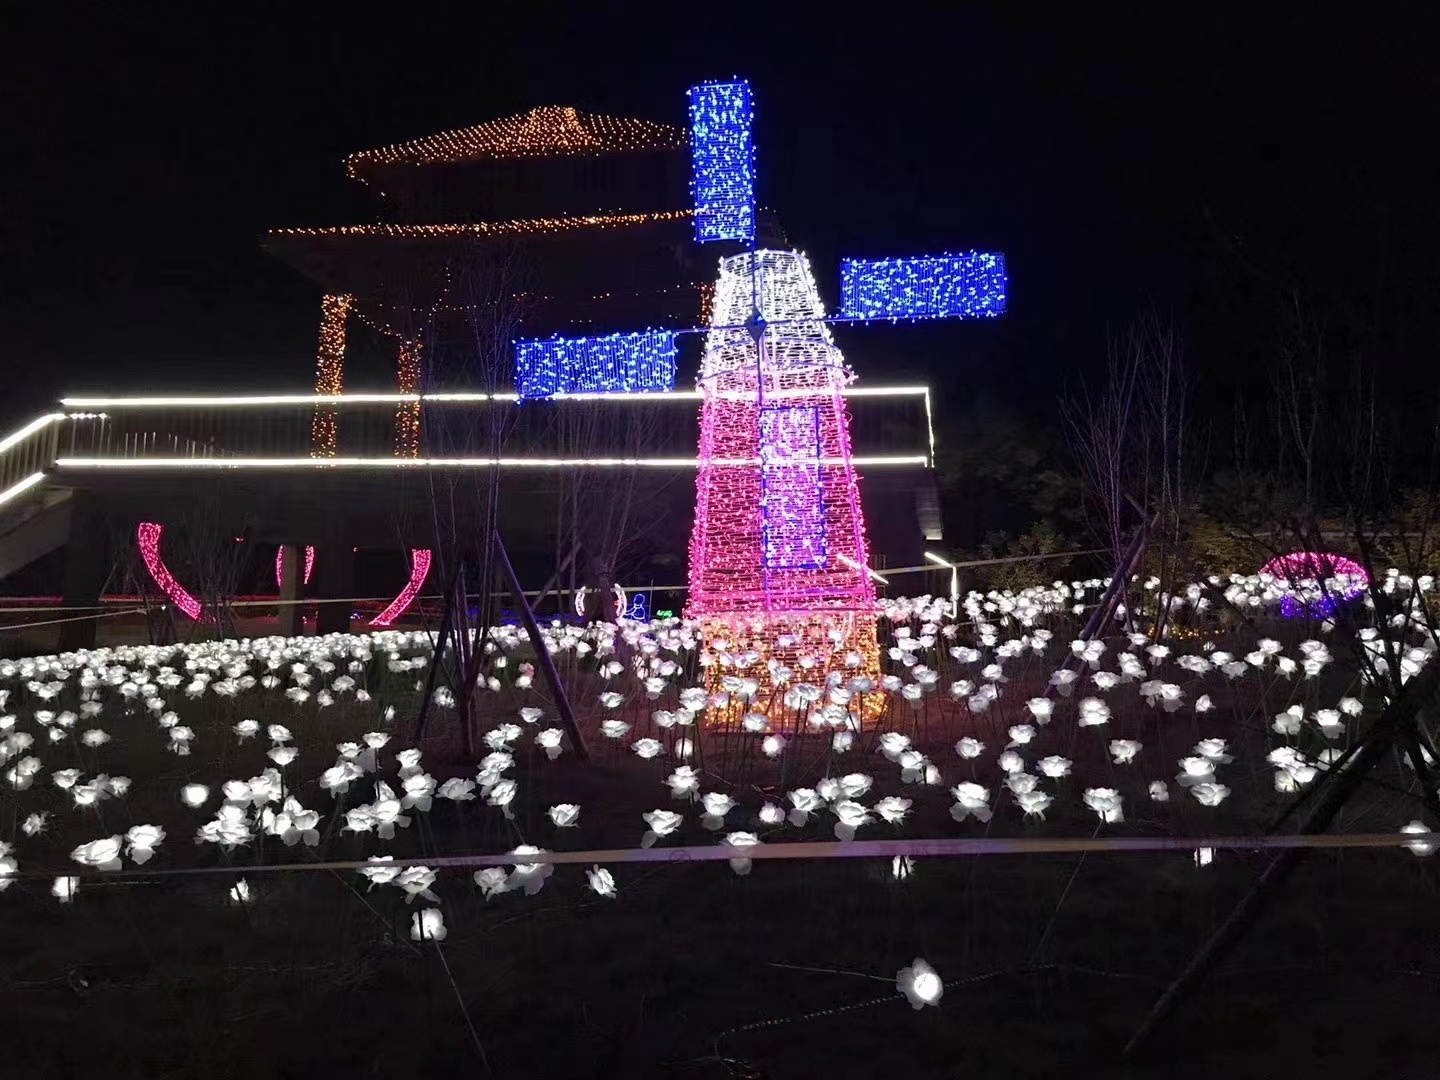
<point x="722" y="161"/>
<point x="969" y="285"/>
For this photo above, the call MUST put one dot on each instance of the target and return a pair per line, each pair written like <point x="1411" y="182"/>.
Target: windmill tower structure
<point x="778" y="552"/>
<point x="779" y="574"/>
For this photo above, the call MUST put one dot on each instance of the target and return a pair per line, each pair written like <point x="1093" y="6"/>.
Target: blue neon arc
<point x="970" y="285"/>
<point x="633" y="363"/>
<point x="722" y="161"/>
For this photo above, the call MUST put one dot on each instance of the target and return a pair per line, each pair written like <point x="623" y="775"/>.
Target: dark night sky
<point x="1182" y="155"/>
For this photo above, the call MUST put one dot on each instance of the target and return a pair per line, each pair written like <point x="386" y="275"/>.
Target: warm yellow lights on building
<point x="329" y="371"/>
<point x="492" y="228"/>
<point x="407" y="413"/>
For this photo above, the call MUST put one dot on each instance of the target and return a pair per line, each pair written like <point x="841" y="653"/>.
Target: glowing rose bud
<point x="549" y="741"/>
<point x="893" y="809"/>
<point x="971" y="800"/>
<point x="601" y="882"/>
<point x="1208" y="794"/>
<point x="142" y="841"/>
<point x="102" y="854"/>
<point x="1041" y="709"/>
<point x="717" y="805"/>
<point x="457" y="789"/>
<point x="647" y="748"/>
<point x="684" y="782"/>
<point x="1288" y="722"/>
<point x="1158" y="791"/>
<point x="969" y="748"/>
<point x="565" y="815"/>
<point x="1093" y="712"/>
<point x="1214" y="750"/>
<point x="920" y="985"/>
<point x="1106" y="803"/>
<point x="1021" y="734"/>
<point x="282" y="755"/>
<point x="805" y="802"/>
<point x="770" y="814"/>
<point x="1423" y="844"/>
<point x="95" y="737"/>
<point x="741" y="841"/>
<point x="614" y="729"/>
<point x="1124" y="750"/>
<point x="853" y="785"/>
<point x="661" y="823"/>
<point x="502" y="793"/>
<point x="1330" y="723"/>
<point x="428" y="925"/>
<point x="1054" y="766"/>
<point x="852" y="815"/>
<point x="34" y="825"/>
<point x="194" y="795"/>
<point x="492" y="881"/>
<point x="772" y="746"/>
<point x="1011" y="762"/>
<point x="529" y="876"/>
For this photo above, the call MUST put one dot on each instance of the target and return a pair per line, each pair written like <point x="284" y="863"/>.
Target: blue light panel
<point x="640" y="362"/>
<point x="970" y="285"/>
<point x="792" y="496"/>
<point x="722" y="161"/>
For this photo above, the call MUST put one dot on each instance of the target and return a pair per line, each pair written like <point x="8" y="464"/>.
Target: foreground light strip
<point x="856" y="849"/>
<point x="388" y="463"/>
<point x="29" y="429"/>
<point x="16" y="490"/>
<point x="252" y="400"/>
<point x="858" y="566"/>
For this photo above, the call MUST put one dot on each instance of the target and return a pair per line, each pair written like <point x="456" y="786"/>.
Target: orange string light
<point x="329" y="371"/>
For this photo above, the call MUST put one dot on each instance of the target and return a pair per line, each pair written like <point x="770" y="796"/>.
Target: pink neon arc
<point x="309" y="564"/>
<point x="419" y="568"/>
<point x="149" y="534"/>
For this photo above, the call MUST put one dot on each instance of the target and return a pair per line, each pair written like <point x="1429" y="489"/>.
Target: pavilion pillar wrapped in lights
<point x="778" y="551"/>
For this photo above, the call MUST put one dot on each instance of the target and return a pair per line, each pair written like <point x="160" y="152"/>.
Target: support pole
<point x="87" y="568"/>
<point x="437" y="657"/>
<point x="334" y="580"/>
<point x="288" y="622"/>
<point x="543" y="659"/>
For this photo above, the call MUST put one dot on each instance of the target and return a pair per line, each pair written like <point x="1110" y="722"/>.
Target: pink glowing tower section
<point x="778" y="548"/>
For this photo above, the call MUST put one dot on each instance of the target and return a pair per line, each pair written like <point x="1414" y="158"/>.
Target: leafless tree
<point x="1129" y="440"/>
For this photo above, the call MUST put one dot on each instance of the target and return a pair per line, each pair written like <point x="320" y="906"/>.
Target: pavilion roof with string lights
<point x="544" y="131"/>
<point x="597" y="207"/>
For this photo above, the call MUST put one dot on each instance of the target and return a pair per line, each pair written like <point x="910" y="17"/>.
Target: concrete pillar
<point x="88" y="563"/>
<point x="292" y="579"/>
<point x="334" y="579"/>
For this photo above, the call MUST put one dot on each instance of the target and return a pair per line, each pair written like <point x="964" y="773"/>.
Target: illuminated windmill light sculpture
<point x="778" y="556"/>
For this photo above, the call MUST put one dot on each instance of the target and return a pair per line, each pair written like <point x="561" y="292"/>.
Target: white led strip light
<point x="390" y="463"/>
<point x="253" y="400"/>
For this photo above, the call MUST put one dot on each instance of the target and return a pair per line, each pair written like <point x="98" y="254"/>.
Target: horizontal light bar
<point x="860" y="566"/>
<point x="29" y="429"/>
<point x="16" y="490"/>
<point x="240" y="400"/>
<point x="392" y="463"/>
